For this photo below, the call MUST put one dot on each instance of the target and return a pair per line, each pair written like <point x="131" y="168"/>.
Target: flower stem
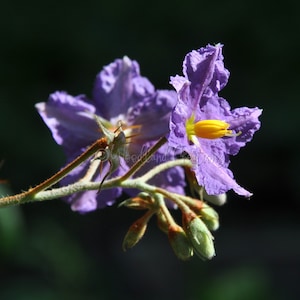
<point x="39" y="193"/>
<point x="67" y="169"/>
<point x="81" y="186"/>
<point x="144" y="159"/>
<point x="164" y="209"/>
<point x="176" y="198"/>
<point x="164" y="166"/>
<point x="29" y="195"/>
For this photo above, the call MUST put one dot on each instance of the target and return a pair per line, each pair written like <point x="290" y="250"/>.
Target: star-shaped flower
<point x="203" y="124"/>
<point x="120" y="94"/>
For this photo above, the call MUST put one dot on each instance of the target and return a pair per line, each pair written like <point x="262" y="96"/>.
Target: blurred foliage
<point x="49" y="252"/>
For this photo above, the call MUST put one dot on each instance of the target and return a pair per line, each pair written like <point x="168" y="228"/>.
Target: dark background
<point x="49" y="252"/>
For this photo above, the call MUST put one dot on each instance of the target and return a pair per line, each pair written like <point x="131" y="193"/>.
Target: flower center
<point x="207" y="129"/>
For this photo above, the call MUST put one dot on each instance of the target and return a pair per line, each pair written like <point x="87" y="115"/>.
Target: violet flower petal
<point x="118" y="87"/>
<point x="64" y="115"/>
<point x="210" y="173"/>
<point x="152" y="115"/>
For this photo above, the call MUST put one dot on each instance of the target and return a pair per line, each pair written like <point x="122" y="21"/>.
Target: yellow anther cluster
<point x="208" y="129"/>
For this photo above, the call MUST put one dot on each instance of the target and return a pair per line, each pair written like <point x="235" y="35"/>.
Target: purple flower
<point x="203" y="124"/>
<point x="120" y="94"/>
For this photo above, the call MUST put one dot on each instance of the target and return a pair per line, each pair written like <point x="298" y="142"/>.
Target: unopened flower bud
<point x="136" y="231"/>
<point x="180" y="243"/>
<point x="142" y="201"/>
<point x="210" y="217"/>
<point x="215" y="199"/>
<point x="199" y="235"/>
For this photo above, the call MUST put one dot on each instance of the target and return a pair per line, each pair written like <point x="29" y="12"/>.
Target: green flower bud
<point x="136" y="231"/>
<point x="199" y="235"/>
<point x="180" y="243"/>
<point x="210" y="217"/>
<point x="142" y="201"/>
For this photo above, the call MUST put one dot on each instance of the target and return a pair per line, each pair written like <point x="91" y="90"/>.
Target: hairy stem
<point x="164" y="166"/>
<point x="29" y="195"/>
<point x="164" y="210"/>
<point x="144" y="158"/>
<point x="68" y="168"/>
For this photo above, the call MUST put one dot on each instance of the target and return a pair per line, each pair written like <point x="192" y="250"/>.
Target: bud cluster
<point x="192" y="236"/>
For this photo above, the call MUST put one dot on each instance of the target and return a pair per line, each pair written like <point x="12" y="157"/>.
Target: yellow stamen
<point x="212" y="129"/>
<point x="208" y="129"/>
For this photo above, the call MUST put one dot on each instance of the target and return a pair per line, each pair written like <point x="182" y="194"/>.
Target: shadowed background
<point x="49" y="252"/>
